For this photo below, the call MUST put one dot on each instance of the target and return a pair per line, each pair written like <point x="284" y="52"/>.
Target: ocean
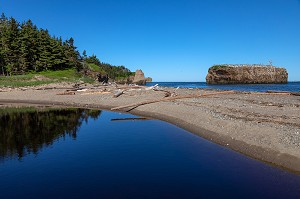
<point x="290" y="87"/>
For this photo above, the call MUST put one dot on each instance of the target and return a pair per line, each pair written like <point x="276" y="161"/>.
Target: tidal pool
<point x="77" y="153"/>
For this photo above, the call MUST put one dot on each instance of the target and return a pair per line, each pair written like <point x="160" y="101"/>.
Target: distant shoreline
<point x="264" y="127"/>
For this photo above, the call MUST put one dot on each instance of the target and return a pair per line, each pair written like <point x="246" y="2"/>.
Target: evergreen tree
<point x="72" y="54"/>
<point x="3" y="24"/>
<point x="84" y="55"/>
<point x="25" y="48"/>
<point x="43" y="60"/>
<point x="10" y="46"/>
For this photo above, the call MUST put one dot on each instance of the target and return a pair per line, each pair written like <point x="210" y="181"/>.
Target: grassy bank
<point x="41" y="78"/>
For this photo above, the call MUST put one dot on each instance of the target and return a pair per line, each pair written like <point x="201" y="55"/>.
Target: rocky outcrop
<point x="148" y="79"/>
<point x="246" y="74"/>
<point x="140" y="79"/>
<point x="126" y="80"/>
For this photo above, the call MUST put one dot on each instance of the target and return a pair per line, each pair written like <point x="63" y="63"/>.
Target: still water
<point x="76" y="153"/>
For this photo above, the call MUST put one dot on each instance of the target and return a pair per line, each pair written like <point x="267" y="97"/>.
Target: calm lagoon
<point x="77" y="153"/>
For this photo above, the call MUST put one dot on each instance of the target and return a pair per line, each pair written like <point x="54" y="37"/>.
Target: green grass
<point x="28" y="109"/>
<point x="219" y="66"/>
<point x="9" y="110"/>
<point x="96" y="68"/>
<point x="41" y="78"/>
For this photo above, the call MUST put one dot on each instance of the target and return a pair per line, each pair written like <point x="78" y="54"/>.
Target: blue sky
<point x="174" y="40"/>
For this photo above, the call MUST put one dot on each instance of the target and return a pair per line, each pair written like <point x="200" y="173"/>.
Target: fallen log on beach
<point x="66" y="93"/>
<point x="167" y="93"/>
<point x="118" y="93"/>
<point x="172" y="98"/>
<point x="260" y="93"/>
<point x="284" y="92"/>
<point x="130" y="87"/>
<point x="96" y="93"/>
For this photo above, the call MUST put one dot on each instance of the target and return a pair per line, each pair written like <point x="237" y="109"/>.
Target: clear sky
<point x="173" y="40"/>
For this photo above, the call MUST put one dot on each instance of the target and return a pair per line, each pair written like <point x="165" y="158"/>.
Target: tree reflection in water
<point x="27" y="130"/>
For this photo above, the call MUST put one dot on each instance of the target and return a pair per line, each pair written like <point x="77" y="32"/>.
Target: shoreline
<point x="222" y="119"/>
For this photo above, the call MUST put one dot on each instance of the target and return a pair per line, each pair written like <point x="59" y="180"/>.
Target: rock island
<point x="246" y="74"/>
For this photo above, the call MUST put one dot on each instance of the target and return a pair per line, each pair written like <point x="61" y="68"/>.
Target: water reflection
<point x="122" y="156"/>
<point x="27" y="130"/>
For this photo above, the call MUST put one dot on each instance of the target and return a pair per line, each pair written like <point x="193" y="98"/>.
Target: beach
<point x="263" y="126"/>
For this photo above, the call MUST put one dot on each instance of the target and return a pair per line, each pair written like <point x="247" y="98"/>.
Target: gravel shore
<point x="263" y="126"/>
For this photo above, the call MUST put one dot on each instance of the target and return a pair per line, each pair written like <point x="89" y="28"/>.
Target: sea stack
<point x="140" y="79"/>
<point x="246" y="74"/>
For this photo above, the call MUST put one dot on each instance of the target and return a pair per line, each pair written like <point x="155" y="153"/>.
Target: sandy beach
<point x="262" y="126"/>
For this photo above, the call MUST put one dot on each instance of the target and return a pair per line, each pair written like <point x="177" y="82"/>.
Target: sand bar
<point x="263" y="126"/>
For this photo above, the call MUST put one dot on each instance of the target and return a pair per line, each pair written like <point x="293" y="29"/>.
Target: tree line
<point x="114" y="72"/>
<point x="24" y="48"/>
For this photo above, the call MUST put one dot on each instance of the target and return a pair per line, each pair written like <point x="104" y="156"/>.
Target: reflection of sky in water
<point x="139" y="159"/>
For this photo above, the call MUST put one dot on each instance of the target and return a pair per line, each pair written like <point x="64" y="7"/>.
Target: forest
<point x="25" y="48"/>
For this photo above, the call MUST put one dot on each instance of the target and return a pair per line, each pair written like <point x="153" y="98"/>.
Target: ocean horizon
<point x="292" y="86"/>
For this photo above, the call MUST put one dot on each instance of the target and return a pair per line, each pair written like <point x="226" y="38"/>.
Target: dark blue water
<point x="99" y="158"/>
<point x="291" y="86"/>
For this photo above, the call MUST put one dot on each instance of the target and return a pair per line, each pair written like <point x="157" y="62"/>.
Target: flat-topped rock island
<point x="246" y="74"/>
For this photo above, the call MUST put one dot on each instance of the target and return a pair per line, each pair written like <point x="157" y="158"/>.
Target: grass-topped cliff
<point x="246" y="74"/>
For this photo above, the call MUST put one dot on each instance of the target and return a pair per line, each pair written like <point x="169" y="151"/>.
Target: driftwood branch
<point x="118" y="93"/>
<point x="171" y="99"/>
<point x="151" y="87"/>
<point x="130" y="87"/>
<point x="260" y="93"/>
<point x="96" y="93"/>
<point x="167" y="93"/>
<point x="284" y="92"/>
<point x="66" y="93"/>
<point x="76" y="89"/>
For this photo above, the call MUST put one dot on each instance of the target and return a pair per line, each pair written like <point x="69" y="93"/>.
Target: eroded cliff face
<point x="246" y="74"/>
<point x="140" y="79"/>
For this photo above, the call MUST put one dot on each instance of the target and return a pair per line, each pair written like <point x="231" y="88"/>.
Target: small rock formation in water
<point x="140" y="79"/>
<point x="148" y="79"/>
<point x="246" y="74"/>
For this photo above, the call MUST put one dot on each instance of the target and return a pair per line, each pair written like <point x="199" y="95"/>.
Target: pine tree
<point x="57" y="56"/>
<point x="10" y="46"/>
<point x="27" y="46"/>
<point x="43" y="60"/>
<point x="72" y="54"/>
<point x="84" y="54"/>
<point x="3" y="24"/>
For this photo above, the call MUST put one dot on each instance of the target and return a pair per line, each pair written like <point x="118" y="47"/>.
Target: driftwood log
<point x="66" y="93"/>
<point x="118" y="93"/>
<point x="167" y="93"/>
<point x="284" y="92"/>
<point x="130" y="87"/>
<point x="260" y="93"/>
<point x="96" y="93"/>
<point x="171" y="99"/>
